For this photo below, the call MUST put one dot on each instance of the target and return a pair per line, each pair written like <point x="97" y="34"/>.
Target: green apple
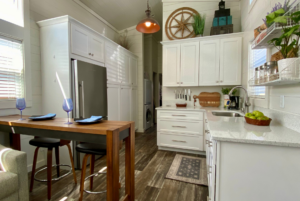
<point x="249" y="115"/>
<point x="259" y="114"/>
<point x="264" y="118"/>
<point x="252" y="117"/>
<point x="255" y="111"/>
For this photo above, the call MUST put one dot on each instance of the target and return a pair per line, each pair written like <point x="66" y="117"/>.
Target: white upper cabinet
<point x="86" y="44"/>
<point x="209" y="63"/>
<point x="189" y="64"/>
<point x="171" y="65"/>
<point x="230" y="61"/>
<point x="80" y="41"/>
<point x="111" y="63"/>
<point x="204" y="61"/>
<point x="133" y="63"/>
<point x="97" y="47"/>
<point x="124" y="70"/>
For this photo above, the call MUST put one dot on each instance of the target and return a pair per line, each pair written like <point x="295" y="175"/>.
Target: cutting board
<point x="207" y="99"/>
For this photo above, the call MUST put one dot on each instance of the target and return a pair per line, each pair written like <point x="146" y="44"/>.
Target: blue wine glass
<point x="21" y="105"/>
<point x="68" y="107"/>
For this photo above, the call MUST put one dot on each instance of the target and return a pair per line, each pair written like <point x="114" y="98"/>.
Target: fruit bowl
<point x="258" y="122"/>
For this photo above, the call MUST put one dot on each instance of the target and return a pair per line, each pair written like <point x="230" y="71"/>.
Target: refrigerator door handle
<point x="76" y="91"/>
<point x="82" y="98"/>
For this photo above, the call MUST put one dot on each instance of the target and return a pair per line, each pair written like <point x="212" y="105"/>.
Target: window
<point x="12" y="11"/>
<point x="11" y="69"/>
<point x="257" y="58"/>
<point x="250" y="2"/>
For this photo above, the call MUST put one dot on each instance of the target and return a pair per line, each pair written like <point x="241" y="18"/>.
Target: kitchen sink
<point x="227" y="114"/>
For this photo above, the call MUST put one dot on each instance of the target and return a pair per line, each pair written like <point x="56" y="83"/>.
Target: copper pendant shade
<point x="149" y="24"/>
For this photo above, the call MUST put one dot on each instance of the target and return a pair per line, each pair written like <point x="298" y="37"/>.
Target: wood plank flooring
<point x="151" y="168"/>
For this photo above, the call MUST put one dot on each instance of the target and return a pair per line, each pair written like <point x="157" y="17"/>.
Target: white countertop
<point x="235" y="129"/>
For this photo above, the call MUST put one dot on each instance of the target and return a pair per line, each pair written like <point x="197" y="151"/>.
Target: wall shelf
<point x="274" y="31"/>
<point x="289" y="75"/>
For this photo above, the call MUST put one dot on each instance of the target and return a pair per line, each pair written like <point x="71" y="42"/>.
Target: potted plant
<point x="288" y="42"/>
<point x="199" y="24"/>
<point x="225" y="92"/>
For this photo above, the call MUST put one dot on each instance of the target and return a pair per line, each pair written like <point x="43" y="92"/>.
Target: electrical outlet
<point x="282" y="101"/>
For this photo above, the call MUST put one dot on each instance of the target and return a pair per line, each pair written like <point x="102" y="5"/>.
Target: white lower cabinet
<point x="134" y="107"/>
<point x="125" y="93"/>
<point x="113" y="102"/>
<point x="180" y="130"/>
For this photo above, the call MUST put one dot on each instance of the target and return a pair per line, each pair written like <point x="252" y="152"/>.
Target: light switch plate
<point x="282" y="101"/>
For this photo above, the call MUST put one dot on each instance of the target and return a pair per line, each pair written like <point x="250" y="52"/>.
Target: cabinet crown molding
<point x="204" y="38"/>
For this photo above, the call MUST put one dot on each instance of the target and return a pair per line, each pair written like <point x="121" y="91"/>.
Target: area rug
<point x="188" y="169"/>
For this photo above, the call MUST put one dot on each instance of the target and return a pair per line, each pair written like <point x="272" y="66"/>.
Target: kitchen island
<point x="109" y="132"/>
<point x="246" y="162"/>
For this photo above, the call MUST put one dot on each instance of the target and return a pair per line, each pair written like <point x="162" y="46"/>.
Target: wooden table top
<point x="58" y="124"/>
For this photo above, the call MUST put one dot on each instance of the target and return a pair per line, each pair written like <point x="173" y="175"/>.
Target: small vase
<point x="287" y="68"/>
<point x="200" y="35"/>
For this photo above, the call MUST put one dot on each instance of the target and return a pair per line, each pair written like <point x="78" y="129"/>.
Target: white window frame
<point x="251" y="5"/>
<point x="260" y="102"/>
<point x="16" y="32"/>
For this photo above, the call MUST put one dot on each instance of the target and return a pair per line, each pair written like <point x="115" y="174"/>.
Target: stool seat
<point x="45" y="142"/>
<point x="89" y="148"/>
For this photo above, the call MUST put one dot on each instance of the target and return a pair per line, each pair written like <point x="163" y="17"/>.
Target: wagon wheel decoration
<point x="179" y="23"/>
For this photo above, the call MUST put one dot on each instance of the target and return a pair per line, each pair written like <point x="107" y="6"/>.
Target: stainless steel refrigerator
<point x="89" y="92"/>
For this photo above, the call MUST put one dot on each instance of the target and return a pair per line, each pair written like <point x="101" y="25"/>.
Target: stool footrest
<point x="54" y="179"/>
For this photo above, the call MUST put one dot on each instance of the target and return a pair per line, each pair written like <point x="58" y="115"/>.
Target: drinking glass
<point x="68" y="107"/>
<point x="21" y="105"/>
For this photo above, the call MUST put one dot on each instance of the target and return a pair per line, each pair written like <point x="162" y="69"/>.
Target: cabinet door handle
<point x="181" y="83"/>
<point x="209" y="143"/>
<point x="217" y="81"/>
<point x="207" y="131"/>
<point x="177" y="115"/>
<point x="221" y="80"/>
<point x="178" y="141"/>
<point x="179" y="126"/>
<point x="206" y="121"/>
<point x="178" y="82"/>
<point x="90" y="53"/>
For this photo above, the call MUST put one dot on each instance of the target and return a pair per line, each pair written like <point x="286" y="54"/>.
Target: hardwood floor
<point x="151" y="167"/>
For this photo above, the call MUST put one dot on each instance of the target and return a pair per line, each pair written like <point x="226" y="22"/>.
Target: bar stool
<point x="50" y="143"/>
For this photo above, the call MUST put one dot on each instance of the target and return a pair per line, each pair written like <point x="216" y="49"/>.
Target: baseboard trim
<point x="39" y="164"/>
<point x="182" y="150"/>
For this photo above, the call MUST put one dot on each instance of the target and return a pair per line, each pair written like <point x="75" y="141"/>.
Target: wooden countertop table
<point x="110" y="131"/>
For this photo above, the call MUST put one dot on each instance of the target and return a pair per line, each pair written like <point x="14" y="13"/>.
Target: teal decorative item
<point x="216" y="22"/>
<point x="229" y="20"/>
<point x="222" y="21"/>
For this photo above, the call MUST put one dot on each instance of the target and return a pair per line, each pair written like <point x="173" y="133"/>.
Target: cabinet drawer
<point x="180" y="126"/>
<point x="192" y="142"/>
<point x="180" y="115"/>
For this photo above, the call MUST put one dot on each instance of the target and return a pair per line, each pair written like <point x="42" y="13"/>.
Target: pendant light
<point x="149" y="24"/>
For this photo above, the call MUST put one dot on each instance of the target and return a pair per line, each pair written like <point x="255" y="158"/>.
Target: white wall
<point x="136" y="45"/>
<point x="204" y="7"/>
<point x="251" y="20"/>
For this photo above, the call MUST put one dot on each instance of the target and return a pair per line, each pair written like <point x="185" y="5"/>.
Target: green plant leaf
<point x="272" y="16"/>
<point x="290" y="31"/>
<point x="296" y="16"/>
<point x="281" y="19"/>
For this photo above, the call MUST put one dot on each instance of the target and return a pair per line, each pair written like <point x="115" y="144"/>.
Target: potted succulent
<point x="199" y="24"/>
<point x="288" y="42"/>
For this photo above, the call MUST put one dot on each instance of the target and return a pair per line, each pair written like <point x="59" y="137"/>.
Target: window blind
<point x="257" y="58"/>
<point x="11" y="69"/>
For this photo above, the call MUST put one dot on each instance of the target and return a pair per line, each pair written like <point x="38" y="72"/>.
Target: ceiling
<point x="123" y="14"/>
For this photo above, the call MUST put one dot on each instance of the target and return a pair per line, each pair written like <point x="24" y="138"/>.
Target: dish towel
<point x="50" y="115"/>
<point x="91" y="119"/>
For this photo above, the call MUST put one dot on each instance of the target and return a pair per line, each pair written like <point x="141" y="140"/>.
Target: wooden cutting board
<point x="207" y="99"/>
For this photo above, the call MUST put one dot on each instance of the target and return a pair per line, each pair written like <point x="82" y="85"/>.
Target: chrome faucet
<point x="247" y="103"/>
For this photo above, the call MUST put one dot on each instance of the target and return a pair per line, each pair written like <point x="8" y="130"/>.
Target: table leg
<point x="15" y="141"/>
<point x="129" y="164"/>
<point x="112" y="160"/>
